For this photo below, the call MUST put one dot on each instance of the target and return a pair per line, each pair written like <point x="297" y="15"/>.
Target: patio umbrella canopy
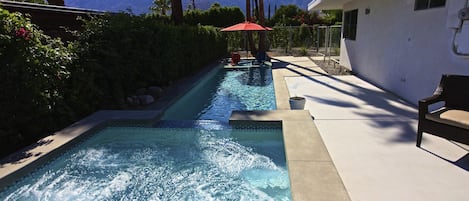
<point x="247" y="26"/>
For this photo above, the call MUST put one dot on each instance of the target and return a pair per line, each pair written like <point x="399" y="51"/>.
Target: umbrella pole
<point x="246" y="43"/>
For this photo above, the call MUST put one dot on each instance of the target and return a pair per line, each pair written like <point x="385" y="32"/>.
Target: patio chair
<point x="235" y="58"/>
<point x="451" y="121"/>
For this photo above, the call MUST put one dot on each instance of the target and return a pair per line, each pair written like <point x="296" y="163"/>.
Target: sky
<point x="142" y="6"/>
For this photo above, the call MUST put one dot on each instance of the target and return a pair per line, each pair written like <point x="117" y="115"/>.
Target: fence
<point x="296" y="40"/>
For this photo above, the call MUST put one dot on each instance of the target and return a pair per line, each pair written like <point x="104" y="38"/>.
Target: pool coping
<point x="313" y="175"/>
<point x="24" y="161"/>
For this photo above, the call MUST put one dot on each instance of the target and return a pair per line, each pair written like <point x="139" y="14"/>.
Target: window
<point x="426" y="4"/>
<point x="350" y="24"/>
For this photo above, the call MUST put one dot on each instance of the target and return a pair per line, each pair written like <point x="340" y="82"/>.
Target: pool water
<point x="208" y="161"/>
<point x="224" y="91"/>
<point x="195" y="156"/>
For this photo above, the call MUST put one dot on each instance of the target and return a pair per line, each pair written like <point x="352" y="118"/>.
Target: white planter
<point x="297" y="103"/>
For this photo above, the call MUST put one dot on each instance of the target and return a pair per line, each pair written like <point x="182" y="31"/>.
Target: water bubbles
<point x="162" y="164"/>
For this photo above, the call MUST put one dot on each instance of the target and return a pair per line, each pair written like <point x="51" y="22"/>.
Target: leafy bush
<point x="304" y="36"/>
<point x="216" y="16"/>
<point x="33" y="73"/>
<point x="121" y="53"/>
<point x="46" y="84"/>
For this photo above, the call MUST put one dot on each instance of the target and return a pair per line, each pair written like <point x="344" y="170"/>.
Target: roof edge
<point x="53" y="8"/>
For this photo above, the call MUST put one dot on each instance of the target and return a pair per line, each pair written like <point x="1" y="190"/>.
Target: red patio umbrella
<point x="247" y="26"/>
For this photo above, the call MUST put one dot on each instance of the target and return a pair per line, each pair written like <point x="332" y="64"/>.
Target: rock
<point x="146" y="99"/>
<point x="155" y="91"/>
<point x="132" y="100"/>
<point x="141" y="91"/>
<point x="128" y="100"/>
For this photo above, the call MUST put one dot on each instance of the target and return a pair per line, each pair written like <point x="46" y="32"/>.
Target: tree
<point x="262" y="40"/>
<point x="176" y="12"/>
<point x="215" y="5"/>
<point x="193" y="5"/>
<point x="256" y="10"/>
<point x="286" y="15"/>
<point x="248" y="10"/>
<point x="332" y="16"/>
<point x="249" y="34"/>
<point x="268" y="16"/>
<point x="216" y="15"/>
<point x="161" y="6"/>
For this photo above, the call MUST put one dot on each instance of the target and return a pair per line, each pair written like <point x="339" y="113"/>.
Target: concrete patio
<point x="370" y="135"/>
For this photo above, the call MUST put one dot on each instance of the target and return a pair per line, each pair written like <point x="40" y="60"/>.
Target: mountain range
<point x="142" y="6"/>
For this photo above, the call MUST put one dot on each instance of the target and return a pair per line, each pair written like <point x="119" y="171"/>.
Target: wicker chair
<point x="452" y="120"/>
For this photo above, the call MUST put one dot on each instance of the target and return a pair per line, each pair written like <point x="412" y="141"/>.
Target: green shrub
<point x="123" y="52"/>
<point x="303" y="51"/>
<point x="33" y="73"/>
<point x="46" y="84"/>
<point x="215" y="16"/>
<point x="304" y="36"/>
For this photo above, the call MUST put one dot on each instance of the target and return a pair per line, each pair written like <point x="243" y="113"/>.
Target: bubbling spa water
<point x="137" y="163"/>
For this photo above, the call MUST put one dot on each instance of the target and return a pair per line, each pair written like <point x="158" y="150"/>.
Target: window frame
<point x="428" y="4"/>
<point x="350" y="24"/>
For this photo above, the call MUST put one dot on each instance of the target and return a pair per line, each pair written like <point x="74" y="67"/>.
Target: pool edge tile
<point x="33" y="156"/>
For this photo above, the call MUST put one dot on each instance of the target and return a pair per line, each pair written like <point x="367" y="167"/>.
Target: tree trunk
<point x="251" y="44"/>
<point x="193" y="5"/>
<point x="256" y="10"/>
<point x="262" y="37"/>
<point x="176" y="12"/>
<point x="268" y="16"/>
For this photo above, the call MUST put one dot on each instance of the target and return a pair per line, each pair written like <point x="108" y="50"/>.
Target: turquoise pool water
<point x="224" y="91"/>
<point x="173" y="161"/>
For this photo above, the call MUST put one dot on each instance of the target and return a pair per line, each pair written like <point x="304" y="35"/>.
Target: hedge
<point x="46" y="84"/>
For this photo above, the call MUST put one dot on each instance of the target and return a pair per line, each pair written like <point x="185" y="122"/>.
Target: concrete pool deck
<point x="370" y="135"/>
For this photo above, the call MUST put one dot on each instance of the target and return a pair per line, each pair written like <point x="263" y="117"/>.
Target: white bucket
<point x="297" y="103"/>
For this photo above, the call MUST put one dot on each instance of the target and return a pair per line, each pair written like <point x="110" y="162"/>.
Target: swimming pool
<point x="224" y="91"/>
<point x="188" y="160"/>
<point x="181" y="159"/>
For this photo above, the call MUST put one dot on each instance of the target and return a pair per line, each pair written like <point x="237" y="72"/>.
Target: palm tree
<point x="161" y="6"/>
<point x="248" y="10"/>
<point x="256" y="9"/>
<point x="193" y="4"/>
<point x="262" y="37"/>
<point x="176" y="11"/>
<point x="251" y="45"/>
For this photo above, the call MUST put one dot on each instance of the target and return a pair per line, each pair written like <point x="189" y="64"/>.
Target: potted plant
<point x="297" y="103"/>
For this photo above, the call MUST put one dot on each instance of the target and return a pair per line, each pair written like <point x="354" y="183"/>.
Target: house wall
<point x="402" y="50"/>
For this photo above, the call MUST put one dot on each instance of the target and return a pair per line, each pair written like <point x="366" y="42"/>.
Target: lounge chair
<point x="451" y="121"/>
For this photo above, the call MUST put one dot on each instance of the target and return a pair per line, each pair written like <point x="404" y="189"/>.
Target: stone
<point x="141" y="91"/>
<point x="146" y="99"/>
<point x="132" y="100"/>
<point x="155" y="91"/>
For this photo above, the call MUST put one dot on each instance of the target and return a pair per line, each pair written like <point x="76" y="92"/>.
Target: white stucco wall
<point x="402" y="50"/>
